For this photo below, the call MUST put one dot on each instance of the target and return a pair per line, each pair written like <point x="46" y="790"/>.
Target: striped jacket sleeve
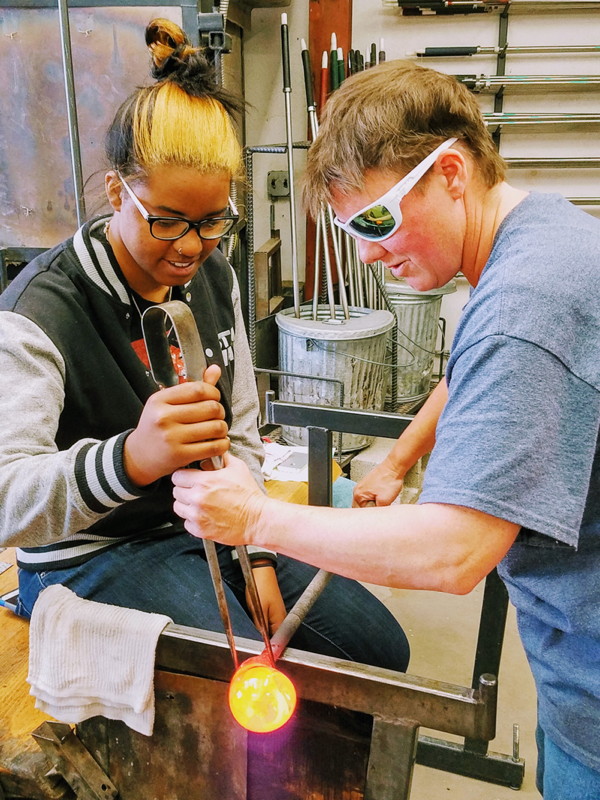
<point x="46" y="494"/>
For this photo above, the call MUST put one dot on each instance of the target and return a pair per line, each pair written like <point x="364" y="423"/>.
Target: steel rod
<point x="493" y="83"/>
<point x="584" y="201"/>
<point x="287" y="89"/>
<point x="254" y="600"/>
<point x="516" y="121"/>
<point x="297" y="614"/>
<point x="322" y="221"/>
<point x="350" y="268"/>
<point x="67" y="57"/>
<point x="475" y="6"/>
<point x="456" y="52"/>
<point x="214" y="568"/>
<point x="553" y="163"/>
<point x="338" y="264"/>
<point x="317" y="271"/>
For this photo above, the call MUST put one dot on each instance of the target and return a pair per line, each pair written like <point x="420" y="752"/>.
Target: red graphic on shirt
<point x="139" y="347"/>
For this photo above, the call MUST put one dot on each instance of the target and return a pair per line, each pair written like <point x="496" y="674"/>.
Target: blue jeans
<point x="169" y="575"/>
<point x="560" y="776"/>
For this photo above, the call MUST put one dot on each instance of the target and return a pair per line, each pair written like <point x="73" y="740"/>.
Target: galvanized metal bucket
<point x="417" y="315"/>
<point x="333" y="362"/>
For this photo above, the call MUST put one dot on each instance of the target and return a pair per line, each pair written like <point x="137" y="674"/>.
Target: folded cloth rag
<point x="342" y="492"/>
<point x="90" y="659"/>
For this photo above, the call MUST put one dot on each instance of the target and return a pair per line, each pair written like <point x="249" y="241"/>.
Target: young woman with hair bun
<point x="88" y="444"/>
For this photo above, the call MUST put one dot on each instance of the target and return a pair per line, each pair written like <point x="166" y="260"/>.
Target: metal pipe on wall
<point x="65" y="38"/>
<point x="553" y="163"/>
<point x="287" y="88"/>
<point x="459" y="52"/>
<point x="519" y="122"/>
<point x="484" y="6"/>
<point x="523" y="83"/>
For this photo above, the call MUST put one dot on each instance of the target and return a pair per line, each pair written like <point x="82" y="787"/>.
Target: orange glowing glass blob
<point x="261" y="698"/>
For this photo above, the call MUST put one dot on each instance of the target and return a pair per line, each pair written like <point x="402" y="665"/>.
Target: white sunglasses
<point x="382" y="218"/>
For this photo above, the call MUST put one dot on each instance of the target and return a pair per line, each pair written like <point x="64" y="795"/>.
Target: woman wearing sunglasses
<point x="88" y="444"/>
<point x="405" y="159"/>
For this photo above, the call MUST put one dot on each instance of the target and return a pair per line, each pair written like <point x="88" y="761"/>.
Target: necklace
<point x="139" y="310"/>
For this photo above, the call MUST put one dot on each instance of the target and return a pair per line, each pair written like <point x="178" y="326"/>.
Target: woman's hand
<point x="380" y="487"/>
<point x="178" y="426"/>
<point x="271" y="600"/>
<point x="224" y="504"/>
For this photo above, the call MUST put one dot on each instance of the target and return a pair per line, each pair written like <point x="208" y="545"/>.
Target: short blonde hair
<point x="389" y="118"/>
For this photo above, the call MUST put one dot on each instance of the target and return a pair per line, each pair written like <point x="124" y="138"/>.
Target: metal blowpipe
<point x="287" y="90"/>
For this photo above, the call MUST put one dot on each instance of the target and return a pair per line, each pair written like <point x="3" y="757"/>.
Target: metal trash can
<point x="336" y="362"/>
<point x="417" y="316"/>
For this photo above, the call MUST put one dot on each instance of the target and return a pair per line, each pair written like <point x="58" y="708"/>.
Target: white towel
<point x="88" y="659"/>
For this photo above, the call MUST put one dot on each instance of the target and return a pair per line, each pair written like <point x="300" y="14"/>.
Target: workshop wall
<point x="377" y="19"/>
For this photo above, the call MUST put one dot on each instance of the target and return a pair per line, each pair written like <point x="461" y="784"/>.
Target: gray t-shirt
<point x="519" y="439"/>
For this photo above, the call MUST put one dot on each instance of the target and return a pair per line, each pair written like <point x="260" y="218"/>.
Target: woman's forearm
<point x="419" y="437"/>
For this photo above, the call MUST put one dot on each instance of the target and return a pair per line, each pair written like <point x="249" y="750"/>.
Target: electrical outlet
<point x="278" y="184"/>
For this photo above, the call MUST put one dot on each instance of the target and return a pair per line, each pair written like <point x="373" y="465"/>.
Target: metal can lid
<point x="400" y="286"/>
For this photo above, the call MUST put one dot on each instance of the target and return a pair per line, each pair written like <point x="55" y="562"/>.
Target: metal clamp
<point x="71" y="759"/>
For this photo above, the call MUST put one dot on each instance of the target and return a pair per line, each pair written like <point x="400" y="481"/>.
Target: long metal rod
<point x="322" y="222"/>
<point x="468" y="6"/>
<point x="287" y="89"/>
<point x="519" y="121"/>
<point x="65" y="39"/>
<point x="212" y="559"/>
<point x="254" y="600"/>
<point x="559" y="83"/>
<point x="553" y="163"/>
<point x="460" y="52"/>
<point x="297" y="614"/>
<point x="584" y="201"/>
<point x="338" y="264"/>
<point x="317" y="270"/>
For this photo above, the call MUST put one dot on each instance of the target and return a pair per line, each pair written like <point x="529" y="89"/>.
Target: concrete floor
<point x="442" y="630"/>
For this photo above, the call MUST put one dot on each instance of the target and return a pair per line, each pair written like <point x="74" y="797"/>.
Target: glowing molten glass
<point x="261" y="698"/>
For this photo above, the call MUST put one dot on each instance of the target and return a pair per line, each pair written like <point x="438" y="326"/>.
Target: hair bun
<point x="168" y="45"/>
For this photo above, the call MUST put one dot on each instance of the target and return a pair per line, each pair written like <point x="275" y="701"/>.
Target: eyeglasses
<point x="382" y="218"/>
<point x="169" y="228"/>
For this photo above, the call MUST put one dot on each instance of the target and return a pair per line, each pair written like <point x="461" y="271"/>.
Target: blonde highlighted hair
<point x="389" y="118"/>
<point x="184" y="119"/>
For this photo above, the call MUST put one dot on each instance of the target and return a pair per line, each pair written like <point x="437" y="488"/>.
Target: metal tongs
<point x="182" y="323"/>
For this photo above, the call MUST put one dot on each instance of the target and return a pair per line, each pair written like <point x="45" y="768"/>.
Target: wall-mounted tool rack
<point x="446" y="7"/>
